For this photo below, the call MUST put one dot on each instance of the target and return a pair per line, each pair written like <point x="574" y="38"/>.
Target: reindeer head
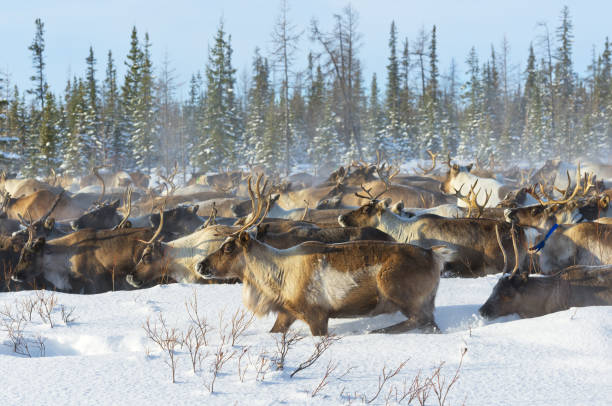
<point x="367" y="215"/>
<point x="101" y="217"/>
<point x="229" y="260"/>
<point x="151" y="258"/>
<point x="506" y="296"/>
<point x="453" y="172"/>
<point x="29" y="265"/>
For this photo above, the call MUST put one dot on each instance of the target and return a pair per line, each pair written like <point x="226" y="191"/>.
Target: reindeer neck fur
<point x="552" y="290"/>
<point x="398" y="228"/>
<point x="266" y="268"/>
<point x="184" y="253"/>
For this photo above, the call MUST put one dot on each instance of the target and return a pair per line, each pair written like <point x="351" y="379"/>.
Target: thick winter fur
<point x="577" y="244"/>
<point x="575" y="211"/>
<point x="38" y="203"/>
<point x="474" y="239"/>
<point x="298" y="235"/>
<point x="575" y="286"/>
<point x="458" y="177"/>
<point x="86" y="261"/>
<point x="315" y="281"/>
<point x="177" y="259"/>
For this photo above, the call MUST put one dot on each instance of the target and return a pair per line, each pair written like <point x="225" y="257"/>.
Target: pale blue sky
<point x="184" y="28"/>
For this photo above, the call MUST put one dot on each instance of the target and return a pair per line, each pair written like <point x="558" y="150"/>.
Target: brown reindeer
<point x="332" y="235"/>
<point x="315" y="281"/>
<point x="473" y="239"/>
<point x="38" y="203"/>
<point x="531" y="296"/>
<point x="86" y="261"/>
<point x="576" y="244"/>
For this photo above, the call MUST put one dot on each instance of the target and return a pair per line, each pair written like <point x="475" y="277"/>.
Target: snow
<point x="104" y="356"/>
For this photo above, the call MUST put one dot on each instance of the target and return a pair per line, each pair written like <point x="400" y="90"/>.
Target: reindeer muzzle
<point x="486" y="311"/>
<point x="204" y="269"/>
<point x="17" y="278"/>
<point x="129" y="278"/>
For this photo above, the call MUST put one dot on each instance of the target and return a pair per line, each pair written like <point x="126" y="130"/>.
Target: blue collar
<point x="541" y="244"/>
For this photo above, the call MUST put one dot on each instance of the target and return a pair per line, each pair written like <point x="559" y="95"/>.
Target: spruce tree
<point x="564" y="88"/>
<point x="113" y="140"/>
<point x="47" y="158"/>
<point x="219" y="132"/>
<point x="376" y="139"/>
<point x="17" y="132"/>
<point x="259" y="100"/>
<point x="144" y="124"/>
<point x="38" y="79"/>
<point x="472" y="97"/>
<point x="431" y="129"/>
<point x="76" y="145"/>
<point x="93" y="146"/>
<point x="406" y="144"/>
<point x="533" y="139"/>
<point x="392" y="99"/>
<point x="130" y="96"/>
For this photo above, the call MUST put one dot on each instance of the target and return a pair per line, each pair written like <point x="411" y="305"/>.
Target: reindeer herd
<point x="365" y="240"/>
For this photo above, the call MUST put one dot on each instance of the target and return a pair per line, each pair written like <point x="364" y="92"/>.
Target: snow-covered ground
<point x="105" y="357"/>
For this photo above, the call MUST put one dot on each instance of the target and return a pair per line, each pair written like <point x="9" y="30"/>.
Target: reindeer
<point x="573" y="207"/>
<point x="473" y="239"/>
<point x="576" y="244"/>
<point x="457" y="177"/>
<point x="332" y="235"/>
<point x="178" y="258"/>
<point x="38" y="203"/>
<point x="530" y="296"/>
<point x="315" y="281"/>
<point x="86" y="261"/>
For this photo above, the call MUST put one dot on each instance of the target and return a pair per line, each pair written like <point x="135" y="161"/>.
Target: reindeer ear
<point x="469" y="167"/>
<point x="604" y="202"/>
<point x="262" y="230"/>
<point x="244" y="238"/>
<point x="194" y="208"/>
<point x="455" y="168"/>
<point x="49" y="223"/>
<point x="398" y="207"/>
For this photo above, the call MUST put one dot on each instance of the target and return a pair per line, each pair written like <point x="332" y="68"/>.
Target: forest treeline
<point x="323" y="115"/>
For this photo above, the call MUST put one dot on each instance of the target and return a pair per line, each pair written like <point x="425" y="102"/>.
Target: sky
<point x="183" y="30"/>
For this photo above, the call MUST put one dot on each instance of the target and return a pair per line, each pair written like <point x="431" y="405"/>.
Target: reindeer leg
<point x="317" y="321"/>
<point x="284" y="320"/>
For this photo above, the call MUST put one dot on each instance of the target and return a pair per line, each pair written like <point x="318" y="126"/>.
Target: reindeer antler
<point x="127" y="202"/>
<point x="161" y="225"/>
<point x="212" y="218"/>
<point x="97" y="175"/>
<point x="515" y="248"/>
<point x="433" y="156"/>
<point x="448" y="160"/>
<point x="501" y="247"/>
<point x="305" y="210"/>
<point x="169" y="179"/>
<point x="255" y="214"/>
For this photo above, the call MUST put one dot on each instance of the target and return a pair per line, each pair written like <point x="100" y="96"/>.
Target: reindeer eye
<point x="228" y="248"/>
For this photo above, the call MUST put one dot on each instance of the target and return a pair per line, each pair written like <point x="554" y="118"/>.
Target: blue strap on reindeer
<point x="541" y="244"/>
